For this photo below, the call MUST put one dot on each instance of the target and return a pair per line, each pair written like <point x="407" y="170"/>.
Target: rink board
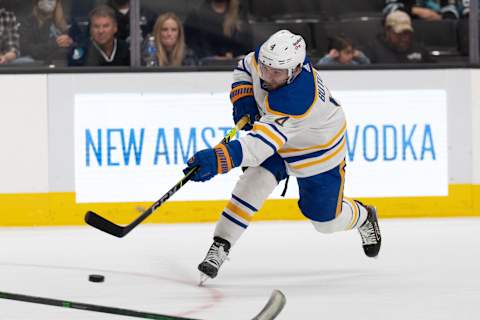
<point x="56" y="209"/>
<point x="46" y="178"/>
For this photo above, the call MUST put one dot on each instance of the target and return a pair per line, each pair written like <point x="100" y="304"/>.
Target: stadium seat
<point x="262" y="30"/>
<point x="361" y="32"/>
<point x="437" y="35"/>
<point x="283" y="9"/>
<point x="179" y="7"/>
<point x="352" y="9"/>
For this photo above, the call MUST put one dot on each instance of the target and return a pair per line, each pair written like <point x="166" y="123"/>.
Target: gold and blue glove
<point x="217" y="160"/>
<point x="244" y="103"/>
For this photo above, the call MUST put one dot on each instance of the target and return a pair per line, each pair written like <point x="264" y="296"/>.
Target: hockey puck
<point x="96" y="278"/>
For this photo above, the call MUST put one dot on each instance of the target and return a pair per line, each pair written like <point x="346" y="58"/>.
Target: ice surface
<point x="427" y="269"/>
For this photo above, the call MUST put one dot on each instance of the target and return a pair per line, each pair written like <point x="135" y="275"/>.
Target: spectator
<point x="122" y="12"/>
<point x="44" y="34"/>
<point x="464" y="8"/>
<point x="103" y="49"/>
<point x="341" y="51"/>
<point x="170" y="42"/>
<point x="213" y="30"/>
<point x="396" y="45"/>
<point x="9" y="37"/>
<point x="431" y="10"/>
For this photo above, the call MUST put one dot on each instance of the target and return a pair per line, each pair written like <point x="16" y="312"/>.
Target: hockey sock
<point x="352" y="216"/>
<point x="248" y="196"/>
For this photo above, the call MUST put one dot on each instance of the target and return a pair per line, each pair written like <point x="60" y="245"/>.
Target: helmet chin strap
<point x="291" y="75"/>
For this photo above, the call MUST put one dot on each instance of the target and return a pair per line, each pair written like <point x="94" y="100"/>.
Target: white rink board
<point x="397" y="144"/>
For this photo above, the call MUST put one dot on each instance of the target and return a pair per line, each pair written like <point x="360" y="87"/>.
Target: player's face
<point x="274" y="78"/>
<point x="169" y="34"/>
<point x="103" y="29"/>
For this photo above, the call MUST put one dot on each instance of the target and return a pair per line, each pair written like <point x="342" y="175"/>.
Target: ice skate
<point x="370" y="232"/>
<point x="216" y="255"/>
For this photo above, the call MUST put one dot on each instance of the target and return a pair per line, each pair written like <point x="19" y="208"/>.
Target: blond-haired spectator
<point x="169" y="37"/>
<point x="44" y="35"/>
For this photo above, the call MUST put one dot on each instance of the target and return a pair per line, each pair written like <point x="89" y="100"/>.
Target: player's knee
<point x="255" y="185"/>
<point x="276" y="166"/>
<point x="331" y="226"/>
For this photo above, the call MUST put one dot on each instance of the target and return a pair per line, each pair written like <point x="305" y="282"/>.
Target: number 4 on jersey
<point x="281" y="121"/>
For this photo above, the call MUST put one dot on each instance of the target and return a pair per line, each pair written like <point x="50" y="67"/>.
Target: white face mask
<point x="47" y="6"/>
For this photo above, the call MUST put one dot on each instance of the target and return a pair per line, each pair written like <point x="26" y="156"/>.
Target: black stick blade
<point x="105" y="225"/>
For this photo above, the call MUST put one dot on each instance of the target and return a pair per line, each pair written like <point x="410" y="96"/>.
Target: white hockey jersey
<point x="301" y="121"/>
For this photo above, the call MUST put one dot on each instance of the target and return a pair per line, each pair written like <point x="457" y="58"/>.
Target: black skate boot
<point x="370" y="232"/>
<point x="216" y="255"/>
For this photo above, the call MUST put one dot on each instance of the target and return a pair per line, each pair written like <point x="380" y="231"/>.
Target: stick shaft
<point x="86" y="306"/>
<point x="109" y="227"/>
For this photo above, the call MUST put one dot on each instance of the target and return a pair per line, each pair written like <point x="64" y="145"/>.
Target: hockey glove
<point x="244" y="103"/>
<point x="210" y="162"/>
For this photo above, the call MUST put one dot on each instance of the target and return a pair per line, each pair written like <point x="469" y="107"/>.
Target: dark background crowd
<point x="217" y="32"/>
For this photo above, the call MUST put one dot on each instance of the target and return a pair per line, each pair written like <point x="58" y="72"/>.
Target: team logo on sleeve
<point x="281" y="121"/>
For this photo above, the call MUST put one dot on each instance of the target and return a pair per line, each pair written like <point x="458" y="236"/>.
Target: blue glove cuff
<point x="235" y="149"/>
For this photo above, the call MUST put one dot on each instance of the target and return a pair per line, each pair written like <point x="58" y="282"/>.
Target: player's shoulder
<point x="295" y="99"/>
<point x="250" y="59"/>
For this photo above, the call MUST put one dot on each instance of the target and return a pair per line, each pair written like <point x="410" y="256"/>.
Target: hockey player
<point x="296" y="128"/>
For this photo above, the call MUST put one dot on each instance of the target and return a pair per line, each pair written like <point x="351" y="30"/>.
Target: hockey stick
<point x="87" y="307"/>
<point x="269" y="312"/>
<point x="273" y="307"/>
<point x="119" y="231"/>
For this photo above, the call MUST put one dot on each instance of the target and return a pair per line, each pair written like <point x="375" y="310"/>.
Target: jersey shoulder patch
<point x="294" y="99"/>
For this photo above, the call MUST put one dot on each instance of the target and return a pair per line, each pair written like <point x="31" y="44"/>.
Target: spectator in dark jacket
<point x="9" y="37"/>
<point x="44" y="35"/>
<point x="397" y="45"/>
<point x="431" y="10"/>
<point x="213" y="30"/>
<point x="122" y="12"/>
<point x="103" y="49"/>
<point x="464" y="8"/>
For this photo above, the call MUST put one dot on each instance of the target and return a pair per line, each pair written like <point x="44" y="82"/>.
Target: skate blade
<point x="203" y="279"/>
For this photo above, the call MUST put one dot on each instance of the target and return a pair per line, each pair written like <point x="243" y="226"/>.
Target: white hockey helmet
<point x="283" y="50"/>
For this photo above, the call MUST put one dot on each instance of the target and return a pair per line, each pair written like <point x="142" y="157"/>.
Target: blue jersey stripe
<point x="244" y="203"/>
<point x="229" y="217"/>
<point x="268" y="143"/>
<point x="313" y="154"/>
